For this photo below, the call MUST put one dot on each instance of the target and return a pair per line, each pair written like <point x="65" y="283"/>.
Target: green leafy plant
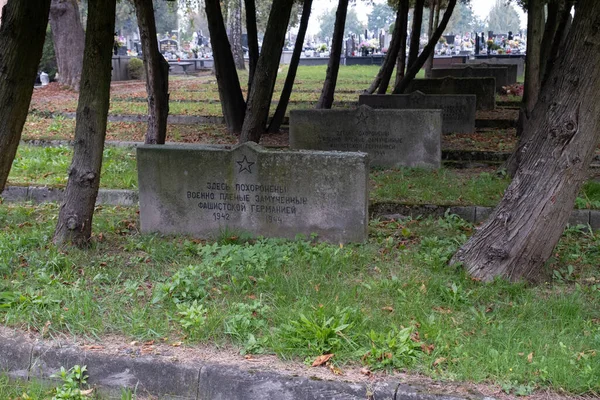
<point x="191" y="316"/>
<point x="394" y="349"/>
<point x="135" y="68"/>
<point x="73" y="380"/>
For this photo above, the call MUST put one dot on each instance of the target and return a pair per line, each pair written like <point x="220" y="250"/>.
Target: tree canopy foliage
<point x="503" y="18"/>
<point x="353" y="24"/>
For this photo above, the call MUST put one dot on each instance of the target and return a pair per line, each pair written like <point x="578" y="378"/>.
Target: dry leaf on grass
<point x="322" y="360"/>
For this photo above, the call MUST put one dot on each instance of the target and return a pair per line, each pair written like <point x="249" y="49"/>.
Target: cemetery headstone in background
<point x="499" y="74"/>
<point x="458" y="110"/>
<point x="392" y="138"/>
<point x="207" y="191"/>
<point x="513" y="69"/>
<point x="483" y="88"/>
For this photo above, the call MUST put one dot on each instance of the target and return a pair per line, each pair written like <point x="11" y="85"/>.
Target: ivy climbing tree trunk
<point x="259" y="99"/>
<point x="23" y="27"/>
<point x="415" y="33"/>
<point x="252" y="31"/>
<point x="416" y="66"/>
<point x="69" y="40"/>
<point x="157" y="74"/>
<point x="523" y="230"/>
<point x="333" y="66"/>
<point x="230" y="93"/>
<point x="291" y="76"/>
<point x="74" y="224"/>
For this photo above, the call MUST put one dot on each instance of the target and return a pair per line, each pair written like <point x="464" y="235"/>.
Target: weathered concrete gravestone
<point x="483" y="88"/>
<point x="458" y="110"/>
<point x="499" y="74"/>
<point x="392" y="138"/>
<point x="513" y="69"/>
<point x="207" y="190"/>
<point x="518" y="61"/>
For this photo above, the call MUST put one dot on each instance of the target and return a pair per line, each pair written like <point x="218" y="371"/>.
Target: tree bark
<point x="252" y="31"/>
<point x="23" y="27"/>
<point x="523" y="230"/>
<point x="157" y="74"/>
<point x="333" y="67"/>
<point x="230" y="93"/>
<point x="235" y="29"/>
<point x="432" y="11"/>
<point x="69" y="40"/>
<point x="74" y="224"/>
<point x="291" y="76"/>
<point x="559" y="37"/>
<point x="415" y="34"/>
<point x="382" y="80"/>
<point x="531" y="87"/>
<point x="413" y="69"/>
<point x="552" y="20"/>
<point x="259" y="99"/>
<point x="401" y="63"/>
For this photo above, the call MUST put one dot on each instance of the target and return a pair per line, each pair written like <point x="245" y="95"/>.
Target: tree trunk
<point x="75" y="216"/>
<point x="259" y="99"/>
<point x="230" y="93"/>
<point x="531" y="87"/>
<point x="559" y="37"/>
<point x="333" y="67"/>
<point x="415" y="34"/>
<point x="157" y="74"/>
<point x="69" y="40"/>
<point x="432" y="12"/>
<point x="401" y="64"/>
<point x="413" y="69"/>
<point x="552" y="21"/>
<point x="23" y="27"/>
<point x="291" y="76"/>
<point x="235" y="32"/>
<point x="382" y="80"/>
<point x="523" y="230"/>
<point x="252" y="40"/>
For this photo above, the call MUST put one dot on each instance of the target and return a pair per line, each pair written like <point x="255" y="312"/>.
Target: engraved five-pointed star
<point x="245" y="165"/>
<point x="361" y="117"/>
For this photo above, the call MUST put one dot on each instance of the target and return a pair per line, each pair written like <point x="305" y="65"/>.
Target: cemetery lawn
<point x="389" y="304"/>
<point x="47" y="166"/>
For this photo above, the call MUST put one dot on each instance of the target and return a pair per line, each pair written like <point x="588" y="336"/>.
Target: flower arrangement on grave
<point x="322" y="48"/>
<point x="442" y="40"/>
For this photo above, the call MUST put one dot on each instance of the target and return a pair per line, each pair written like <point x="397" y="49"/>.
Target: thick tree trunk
<point x="235" y="34"/>
<point x="157" y="74"/>
<point x="259" y="99"/>
<point x="415" y="33"/>
<point x="23" y="27"/>
<point x="291" y="76"/>
<point x="401" y="63"/>
<point x="413" y="69"/>
<point x="523" y="230"/>
<point x="382" y="80"/>
<point x="433" y="8"/>
<point x="230" y="93"/>
<point x="531" y="87"/>
<point x="333" y="67"/>
<point x="252" y="31"/>
<point x="552" y="20"/>
<point x="559" y="37"/>
<point x="75" y="216"/>
<point x="69" y="40"/>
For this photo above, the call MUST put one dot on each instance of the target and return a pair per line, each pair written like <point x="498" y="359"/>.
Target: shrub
<point x="135" y="68"/>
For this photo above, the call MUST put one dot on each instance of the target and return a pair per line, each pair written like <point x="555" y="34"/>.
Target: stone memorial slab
<point x="483" y="88"/>
<point x="392" y="138"/>
<point x="513" y="69"/>
<point x="499" y="74"/>
<point x="205" y="191"/>
<point x="458" y="110"/>
<point x="518" y="61"/>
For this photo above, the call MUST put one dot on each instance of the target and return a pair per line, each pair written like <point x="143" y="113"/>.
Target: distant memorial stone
<point x="205" y="191"/>
<point x="458" y="110"/>
<point x="513" y="69"/>
<point x="392" y="138"/>
<point x="499" y="74"/>
<point x="483" y="88"/>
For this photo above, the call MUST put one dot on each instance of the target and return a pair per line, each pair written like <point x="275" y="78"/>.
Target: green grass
<point x="49" y="165"/>
<point x="390" y="303"/>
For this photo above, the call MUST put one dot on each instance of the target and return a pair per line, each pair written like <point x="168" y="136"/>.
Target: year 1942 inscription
<point x="224" y="201"/>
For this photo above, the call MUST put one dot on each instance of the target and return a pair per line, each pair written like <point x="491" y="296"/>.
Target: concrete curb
<point x="383" y="210"/>
<point x="155" y="375"/>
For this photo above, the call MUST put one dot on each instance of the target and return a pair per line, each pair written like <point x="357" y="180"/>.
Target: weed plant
<point x="392" y="303"/>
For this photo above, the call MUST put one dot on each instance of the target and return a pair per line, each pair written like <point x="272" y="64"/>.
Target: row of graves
<point x="319" y="186"/>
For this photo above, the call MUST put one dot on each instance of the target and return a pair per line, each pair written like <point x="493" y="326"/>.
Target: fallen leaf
<point x="322" y="359"/>
<point x="335" y="370"/>
<point x="149" y="343"/>
<point x="93" y="347"/>
<point x="529" y="357"/>
<point x="365" y="371"/>
<point x="390" y="309"/>
<point x="176" y="344"/>
<point x="427" y="348"/>
<point x="86" y="392"/>
<point x="438" y="361"/>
